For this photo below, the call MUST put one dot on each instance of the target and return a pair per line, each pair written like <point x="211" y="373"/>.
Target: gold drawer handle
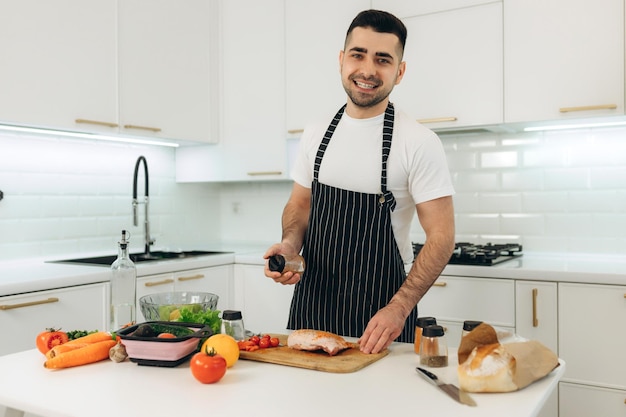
<point x="437" y="120"/>
<point x="440" y="284"/>
<point x="198" y="276"/>
<point x="31" y="303"/>
<point x="535" y="320"/>
<point x="156" y="283"/>
<point x="96" y="122"/>
<point x="152" y="129"/>
<point x="257" y="173"/>
<point x="587" y="108"/>
<point x="295" y="131"/>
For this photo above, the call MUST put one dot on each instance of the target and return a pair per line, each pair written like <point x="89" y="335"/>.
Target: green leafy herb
<point x="75" y="334"/>
<point x="209" y="318"/>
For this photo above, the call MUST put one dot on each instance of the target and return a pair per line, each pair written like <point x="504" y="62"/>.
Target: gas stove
<point x="485" y="255"/>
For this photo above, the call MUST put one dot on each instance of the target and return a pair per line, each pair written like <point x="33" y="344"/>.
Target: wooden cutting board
<point x="349" y="360"/>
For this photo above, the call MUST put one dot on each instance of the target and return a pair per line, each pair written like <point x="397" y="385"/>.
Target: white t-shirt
<point x="417" y="170"/>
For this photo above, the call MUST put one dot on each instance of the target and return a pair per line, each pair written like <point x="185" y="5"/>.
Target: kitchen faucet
<point x="146" y="223"/>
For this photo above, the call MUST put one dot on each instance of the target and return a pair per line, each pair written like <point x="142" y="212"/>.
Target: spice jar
<point x="286" y="263"/>
<point x="433" y="347"/>
<point x="232" y="324"/>
<point x="419" y="325"/>
<point x="469" y="325"/>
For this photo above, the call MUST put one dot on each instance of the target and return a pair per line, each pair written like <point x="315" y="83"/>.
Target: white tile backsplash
<point x="552" y="192"/>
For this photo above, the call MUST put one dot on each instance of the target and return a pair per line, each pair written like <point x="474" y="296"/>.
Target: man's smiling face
<point x="370" y="67"/>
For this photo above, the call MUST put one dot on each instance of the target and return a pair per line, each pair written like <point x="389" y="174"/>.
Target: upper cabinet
<point x="252" y="143"/>
<point x="58" y="63"/>
<point x="60" y="66"/>
<point x="315" y="32"/>
<point x="167" y="78"/>
<point x="563" y="59"/>
<point x="453" y="67"/>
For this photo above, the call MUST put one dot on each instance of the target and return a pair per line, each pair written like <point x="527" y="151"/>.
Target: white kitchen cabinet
<point x="252" y="143"/>
<point x="58" y="63"/>
<point x="589" y="401"/>
<point x="167" y="75"/>
<point x="452" y="300"/>
<point x="404" y="8"/>
<point x="133" y="67"/>
<point x="217" y="280"/>
<point x="24" y="316"/>
<point x="315" y="32"/>
<point x="563" y="59"/>
<point x="536" y="312"/>
<point x="264" y="303"/>
<point x="591" y="331"/>
<point x="454" y="68"/>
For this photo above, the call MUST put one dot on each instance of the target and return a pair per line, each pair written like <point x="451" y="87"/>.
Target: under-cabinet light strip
<point x="92" y="136"/>
<point x="572" y="126"/>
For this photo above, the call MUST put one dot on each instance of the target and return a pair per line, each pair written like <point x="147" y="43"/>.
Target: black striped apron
<point x="353" y="264"/>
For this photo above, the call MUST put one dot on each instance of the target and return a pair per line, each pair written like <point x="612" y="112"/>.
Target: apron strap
<point x="325" y="141"/>
<point x="387" y="197"/>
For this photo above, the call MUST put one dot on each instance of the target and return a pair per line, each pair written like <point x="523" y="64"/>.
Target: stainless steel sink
<point x="140" y="257"/>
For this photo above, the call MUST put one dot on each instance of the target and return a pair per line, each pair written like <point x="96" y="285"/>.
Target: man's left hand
<point x="382" y="329"/>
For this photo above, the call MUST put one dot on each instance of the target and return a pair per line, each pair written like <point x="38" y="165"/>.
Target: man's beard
<point x="365" y="100"/>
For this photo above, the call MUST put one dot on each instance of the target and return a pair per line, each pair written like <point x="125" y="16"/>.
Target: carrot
<point x="92" y="338"/>
<point x="94" y="352"/>
<point x="65" y="347"/>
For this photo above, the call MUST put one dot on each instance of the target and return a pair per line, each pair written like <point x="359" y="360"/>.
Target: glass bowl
<point x="165" y="306"/>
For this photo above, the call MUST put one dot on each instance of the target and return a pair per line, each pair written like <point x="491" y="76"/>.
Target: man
<point x="353" y="198"/>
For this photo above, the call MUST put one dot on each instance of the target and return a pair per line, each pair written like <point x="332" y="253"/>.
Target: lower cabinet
<point x="452" y="300"/>
<point x="217" y="280"/>
<point x="24" y="316"/>
<point x="264" y="303"/>
<point x="592" y="342"/>
<point x="577" y="400"/>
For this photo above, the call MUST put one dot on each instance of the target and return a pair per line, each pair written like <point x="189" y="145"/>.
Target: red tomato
<point x="264" y="343"/>
<point x="255" y="339"/>
<point x="50" y="338"/>
<point x="167" y="336"/>
<point x="208" y="367"/>
<point x="274" y="341"/>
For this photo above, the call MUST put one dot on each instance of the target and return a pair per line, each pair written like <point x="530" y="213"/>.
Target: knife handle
<point x="430" y="375"/>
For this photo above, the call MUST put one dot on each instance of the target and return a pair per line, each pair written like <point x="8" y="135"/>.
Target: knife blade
<point x="450" y="389"/>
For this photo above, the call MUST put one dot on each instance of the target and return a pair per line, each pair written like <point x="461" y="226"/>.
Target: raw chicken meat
<point x="308" y="339"/>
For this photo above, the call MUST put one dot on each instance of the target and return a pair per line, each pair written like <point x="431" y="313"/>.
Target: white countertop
<point x="388" y="387"/>
<point x="29" y="275"/>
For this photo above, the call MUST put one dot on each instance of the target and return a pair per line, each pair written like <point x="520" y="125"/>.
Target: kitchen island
<point x="387" y="387"/>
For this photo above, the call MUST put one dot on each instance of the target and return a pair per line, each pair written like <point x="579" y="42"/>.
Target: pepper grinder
<point x="232" y="324"/>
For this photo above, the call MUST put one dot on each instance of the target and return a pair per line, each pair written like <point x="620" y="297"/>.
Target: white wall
<point x="552" y="192"/>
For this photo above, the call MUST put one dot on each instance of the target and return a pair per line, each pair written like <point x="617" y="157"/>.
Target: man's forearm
<point x="431" y="260"/>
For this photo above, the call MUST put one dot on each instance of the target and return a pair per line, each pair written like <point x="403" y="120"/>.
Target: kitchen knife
<point x="452" y="390"/>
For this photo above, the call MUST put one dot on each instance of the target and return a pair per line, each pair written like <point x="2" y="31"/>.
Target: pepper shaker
<point x="286" y="263"/>
<point x="232" y="324"/>
<point x="419" y="326"/>
<point x="433" y="347"/>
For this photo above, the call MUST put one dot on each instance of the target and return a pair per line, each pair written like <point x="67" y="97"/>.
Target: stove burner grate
<point x="486" y="255"/>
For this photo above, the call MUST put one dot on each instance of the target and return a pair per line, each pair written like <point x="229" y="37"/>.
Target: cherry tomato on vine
<point x="274" y="341"/>
<point x="50" y="338"/>
<point x="264" y="343"/>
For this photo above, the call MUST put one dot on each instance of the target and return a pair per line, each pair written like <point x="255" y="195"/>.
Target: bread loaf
<point x="488" y="368"/>
<point x="483" y="334"/>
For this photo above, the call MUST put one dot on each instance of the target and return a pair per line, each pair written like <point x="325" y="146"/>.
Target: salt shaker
<point x="419" y="326"/>
<point x="469" y="325"/>
<point x="286" y="263"/>
<point x="433" y="347"/>
<point x="232" y="324"/>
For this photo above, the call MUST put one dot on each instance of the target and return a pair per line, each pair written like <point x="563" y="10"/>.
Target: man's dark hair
<point x="382" y="22"/>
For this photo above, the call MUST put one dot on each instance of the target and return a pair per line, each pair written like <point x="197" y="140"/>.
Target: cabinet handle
<point x="586" y="108"/>
<point x="437" y="120"/>
<point x="257" y="173"/>
<point x="152" y="129"/>
<point x="535" y="320"/>
<point x="96" y="122"/>
<point x="198" y="276"/>
<point x="440" y="284"/>
<point x="156" y="283"/>
<point x="31" y="303"/>
<point x="295" y="131"/>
